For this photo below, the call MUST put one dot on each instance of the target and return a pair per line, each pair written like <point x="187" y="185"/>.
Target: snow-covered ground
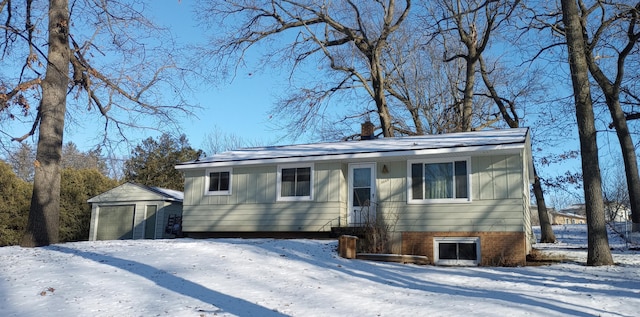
<point x="266" y="277"/>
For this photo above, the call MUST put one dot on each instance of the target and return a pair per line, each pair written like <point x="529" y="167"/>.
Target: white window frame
<point x="279" y="196"/>
<point x="436" y="251"/>
<point x="410" y="199"/>
<point x="207" y="180"/>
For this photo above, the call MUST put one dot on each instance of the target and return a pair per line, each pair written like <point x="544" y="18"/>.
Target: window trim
<point x="452" y="160"/>
<point x="279" y="196"/>
<point x="207" y="179"/>
<point x="436" y="251"/>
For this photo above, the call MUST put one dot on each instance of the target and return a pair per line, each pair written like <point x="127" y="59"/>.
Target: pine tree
<point x="153" y="162"/>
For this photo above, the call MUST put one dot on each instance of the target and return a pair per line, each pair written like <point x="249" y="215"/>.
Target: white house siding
<point x="252" y="205"/>
<point x="526" y="201"/>
<point x="497" y="177"/>
<point x="287" y="216"/>
<point x="496" y="202"/>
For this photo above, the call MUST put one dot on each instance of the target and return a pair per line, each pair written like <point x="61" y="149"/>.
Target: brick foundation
<point x="496" y="248"/>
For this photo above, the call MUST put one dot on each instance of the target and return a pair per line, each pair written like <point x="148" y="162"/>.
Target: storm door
<point x="362" y="194"/>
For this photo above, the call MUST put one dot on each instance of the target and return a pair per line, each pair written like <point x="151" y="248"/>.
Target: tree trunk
<point x="611" y="90"/>
<point x="42" y="227"/>
<point x="467" y="101"/>
<point x="629" y="157"/>
<point x="377" y="83"/>
<point x="546" y="230"/>
<point x="598" y="252"/>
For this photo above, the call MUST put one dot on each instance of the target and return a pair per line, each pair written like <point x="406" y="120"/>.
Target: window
<point x="218" y="182"/>
<point x="295" y="182"/>
<point x="439" y="181"/>
<point x="457" y="251"/>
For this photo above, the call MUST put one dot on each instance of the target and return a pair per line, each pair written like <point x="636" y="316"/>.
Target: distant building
<point x="577" y="213"/>
<point x="616" y="212"/>
<point x="575" y="209"/>
<point x="535" y="217"/>
<point x="573" y="214"/>
<point x="559" y="218"/>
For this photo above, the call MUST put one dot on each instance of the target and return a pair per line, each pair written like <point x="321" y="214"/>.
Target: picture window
<point x="439" y="181"/>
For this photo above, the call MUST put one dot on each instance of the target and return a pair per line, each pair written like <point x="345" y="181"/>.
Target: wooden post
<point x="347" y="246"/>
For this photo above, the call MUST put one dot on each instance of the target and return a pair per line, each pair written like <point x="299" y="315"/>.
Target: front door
<point x="362" y="194"/>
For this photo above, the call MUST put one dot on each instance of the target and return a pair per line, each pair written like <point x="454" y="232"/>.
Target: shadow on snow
<point x="223" y="302"/>
<point x="391" y="274"/>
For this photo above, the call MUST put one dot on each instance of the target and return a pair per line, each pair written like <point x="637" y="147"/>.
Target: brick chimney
<point x="367" y="129"/>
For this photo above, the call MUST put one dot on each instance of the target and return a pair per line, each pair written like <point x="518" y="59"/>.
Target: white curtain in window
<point x="438" y="180"/>
<point x="288" y="182"/>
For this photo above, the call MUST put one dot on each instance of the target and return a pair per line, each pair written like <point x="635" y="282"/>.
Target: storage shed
<point x="135" y="211"/>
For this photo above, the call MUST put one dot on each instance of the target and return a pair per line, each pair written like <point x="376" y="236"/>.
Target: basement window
<point x="218" y="182"/>
<point x="456" y="251"/>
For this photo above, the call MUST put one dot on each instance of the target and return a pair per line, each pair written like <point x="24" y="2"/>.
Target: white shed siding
<point x="126" y="192"/>
<point x="140" y="197"/>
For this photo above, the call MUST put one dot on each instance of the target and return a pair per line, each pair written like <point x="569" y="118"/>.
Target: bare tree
<point x="610" y="30"/>
<point x="350" y="36"/>
<point x="466" y="28"/>
<point x="598" y="252"/>
<point x="422" y="87"/>
<point x="43" y="223"/>
<point x="100" y="57"/>
<point x="76" y="159"/>
<point x="616" y="194"/>
<point x="610" y="40"/>
<point x="218" y="141"/>
<point x="509" y="112"/>
<point x="21" y="161"/>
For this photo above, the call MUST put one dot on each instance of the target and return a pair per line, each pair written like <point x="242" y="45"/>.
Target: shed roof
<point x="138" y="192"/>
<point x="486" y="140"/>
<point x="168" y="193"/>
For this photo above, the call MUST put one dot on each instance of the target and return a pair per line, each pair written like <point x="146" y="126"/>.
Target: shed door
<point x="362" y="194"/>
<point x="150" y="222"/>
<point x="115" y="222"/>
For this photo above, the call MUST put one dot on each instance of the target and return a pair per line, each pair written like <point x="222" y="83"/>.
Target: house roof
<point x="135" y="192"/>
<point x="568" y="214"/>
<point x="486" y="140"/>
<point x="575" y="209"/>
<point x="168" y="193"/>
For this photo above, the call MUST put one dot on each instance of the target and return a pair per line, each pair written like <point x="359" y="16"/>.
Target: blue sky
<point x="237" y="106"/>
